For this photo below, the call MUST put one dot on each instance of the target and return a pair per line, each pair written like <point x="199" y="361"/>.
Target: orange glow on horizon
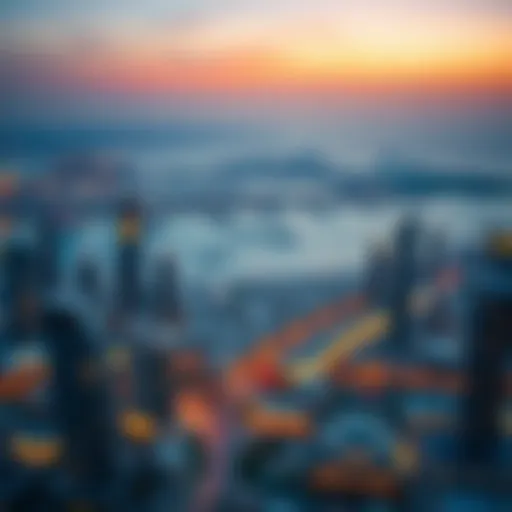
<point x="367" y="51"/>
<point x="253" y="72"/>
<point x="318" y="47"/>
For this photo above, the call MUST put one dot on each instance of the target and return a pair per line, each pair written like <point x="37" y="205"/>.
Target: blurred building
<point x="490" y="320"/>
<point x="404" y="275"/>
<point x="49" y="248"/>
<point x="129" y="245"/>
<point x="88" y="279"/>
<point x="165" y="300"/>
<point x="82" y="397"/>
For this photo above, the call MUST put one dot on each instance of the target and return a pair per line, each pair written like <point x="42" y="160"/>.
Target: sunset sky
<point x="221" y="45"/>
<point x="228" y="58"/>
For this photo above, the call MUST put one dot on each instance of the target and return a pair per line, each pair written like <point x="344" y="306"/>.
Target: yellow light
<point x="363" y="333"/>
<point x="34" y="452"/>
<point x="138" y="426"/>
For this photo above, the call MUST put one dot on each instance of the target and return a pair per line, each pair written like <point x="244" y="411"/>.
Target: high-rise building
<point x="19" y="294"/>
<point x="129" y="257"/>
<point x="16" y="267"/>
<point x="81" y="398"/>
<point x="153" y="375"/>
<point x="378" y="276"/>
<point x="165" y="295"/>
<point x="490" y="319"/>
<point x="48" y="251"/>
<point x="404" y="269"/>
<point x="400" y="335"/>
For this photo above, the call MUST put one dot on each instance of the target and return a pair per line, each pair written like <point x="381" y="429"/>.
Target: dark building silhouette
<point x="129" y="257"/>
<point x="404" y="269"/>
<point x="154" y="347"/>
<point x="490" y="320"/>
<point x="82" y="402"/>
<point x="48" y="250"/>
<point x="153" y="374"/>
<point x="439" y="319"/>
<point x="378" y="277"/>
<point x="165" y="294"/>
<point x="400" y="335"/>
<point x="17" y="267"/>
<point x="20" y="292"/>
<point x="436" y="253"/>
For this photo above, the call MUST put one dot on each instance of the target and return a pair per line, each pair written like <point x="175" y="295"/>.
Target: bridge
<point x="269" y="367"/>
<point x="266" y="358"/>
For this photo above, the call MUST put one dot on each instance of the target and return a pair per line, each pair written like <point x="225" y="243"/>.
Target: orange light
<point x="138" y="426"/>
<point x="36" y="453"/>
<point x="372" y="377"/>
<point x="358" y="480"/>
<point x="279" y="424"/>
<point x="194" y="412"/>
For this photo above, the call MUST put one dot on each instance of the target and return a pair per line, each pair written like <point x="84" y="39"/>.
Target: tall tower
<point x="17" y="265"/>
<point x="82" y="404"/>
<point x="378" y="274"/>
<point x="154" y="356"/>
<point x="154" y="377"/>
<point x="400" y="335"/>
<point x="165" y="297"/>
<point x="48" y="250"/>
<point x="404" y="275"/>
<point x="129" y="257"/>
<point x="19" y="294"/>
<point x="490" y="320"/>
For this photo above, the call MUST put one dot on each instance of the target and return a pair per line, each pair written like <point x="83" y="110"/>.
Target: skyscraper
<point x="400" y="335"/>
<point x="165" y="295"/>
<point x="81" y="397"/>
<point x="19" y="286"/>
<point x="153" y="375"/>
<point x="490" y="318"/>
<point x="48" y="250"/>
<point x="16" y="266"/>
<point x="404" y="269"/>
<point x="129" y="256"/>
